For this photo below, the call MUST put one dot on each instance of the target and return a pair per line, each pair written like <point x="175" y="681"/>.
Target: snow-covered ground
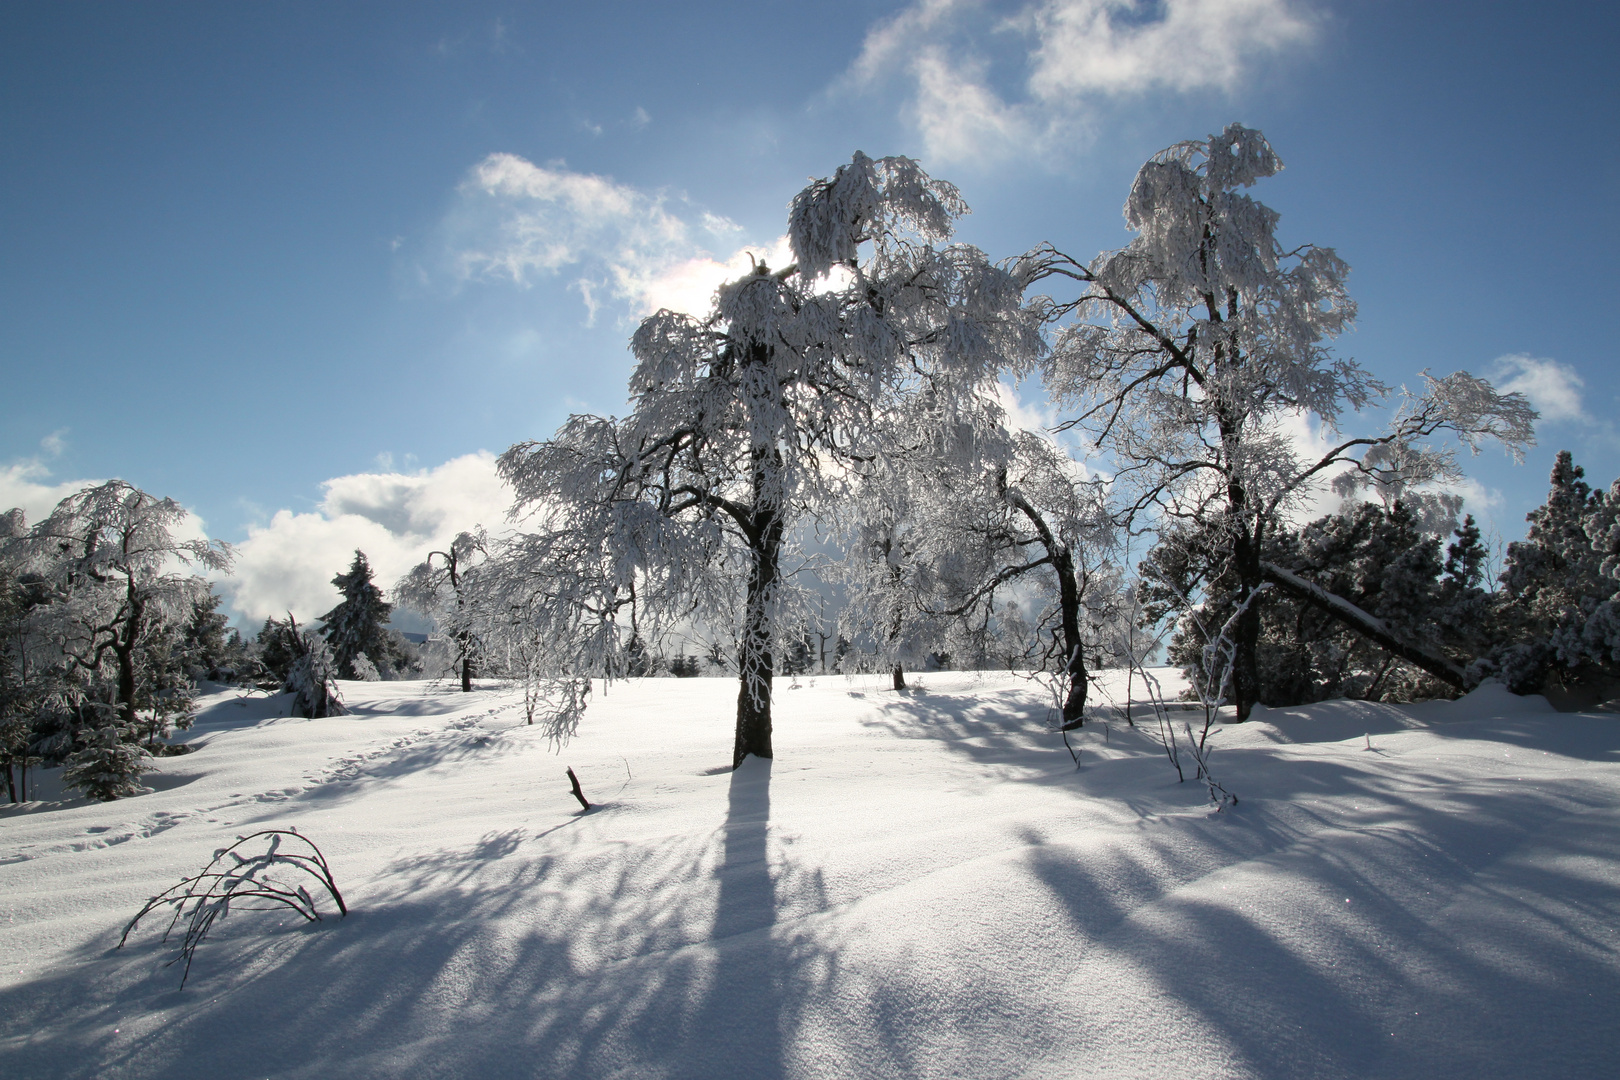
<point x="918" y="886"/>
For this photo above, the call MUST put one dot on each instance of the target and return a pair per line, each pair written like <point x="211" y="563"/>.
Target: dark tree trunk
<point x="125" y="652"/>
<point x="754" y="659"/>
<point x="755" y="664"/>
<point x="1069" y="596"/>
<point x="1246" y="631"/>
<point x="1246" y="543"/>
<point x="466" y="671"/>
<point x="1074" y="702"/>
<point x="899" y="677"/>
<point x="762" y="525"/>
<point x="124" y="649"/>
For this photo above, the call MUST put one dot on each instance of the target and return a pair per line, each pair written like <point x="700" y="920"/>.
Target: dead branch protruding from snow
<point x="578" y="794"/>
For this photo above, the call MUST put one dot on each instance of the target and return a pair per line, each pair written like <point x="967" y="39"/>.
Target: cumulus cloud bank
<point x="517" y="221"/>
<point x="1074" y="54"/>
<point x="395" y="518"/>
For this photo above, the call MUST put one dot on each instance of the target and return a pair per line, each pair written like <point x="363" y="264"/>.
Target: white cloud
<point x="27" y="485"/>
<point x="1554" y="389"/>
<point x="1075" y="52"/>
<point x="958" y="115"/>
<point x="395" y="518"/>
<point x="1037" y="415"/>
<point x="518" y="221"/>
<point x="689" y="285"/>
<point x="54" y="443"/>
<point x="1108" y="47"/>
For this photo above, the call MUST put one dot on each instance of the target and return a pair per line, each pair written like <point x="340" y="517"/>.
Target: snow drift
<point x="918" y="886"/>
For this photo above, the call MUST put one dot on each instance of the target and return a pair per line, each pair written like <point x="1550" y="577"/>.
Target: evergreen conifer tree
<point x="1562" y="608"/>
<point x="358" y="624"/>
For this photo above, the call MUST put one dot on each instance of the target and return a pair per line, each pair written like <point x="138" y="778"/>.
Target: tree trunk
<point x="899" y="677"/>
<point x="762" y="525"/>
<point x="1074" y="661"/>
<point x="1069" y="595"/>
<point x="1246" y="631"/>
<point x="754" y="660"/>
<point x="466" y="672"/>
<point x="124" y="649"/>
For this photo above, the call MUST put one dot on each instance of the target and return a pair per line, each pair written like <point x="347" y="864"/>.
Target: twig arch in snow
<point x="232" y="877"/>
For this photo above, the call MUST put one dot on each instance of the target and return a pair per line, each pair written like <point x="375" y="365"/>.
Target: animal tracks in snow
<point x="102" y="836"/>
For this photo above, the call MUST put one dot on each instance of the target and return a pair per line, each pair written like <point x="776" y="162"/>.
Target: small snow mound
<point x="1493" y="698"/>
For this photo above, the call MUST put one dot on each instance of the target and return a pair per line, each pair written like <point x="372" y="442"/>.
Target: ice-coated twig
<point x="231" y="877"/>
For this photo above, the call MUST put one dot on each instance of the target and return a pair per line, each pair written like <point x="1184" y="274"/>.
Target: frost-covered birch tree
<point x="969" y="520"/>
<point x="441" y="587"/>
<point x="760" y="413"/>
<point x="117" y="575"/>
<point x="1186" y="353"/>
<point x="1046" y="530"/>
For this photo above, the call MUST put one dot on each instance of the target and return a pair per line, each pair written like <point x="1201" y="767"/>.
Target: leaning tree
<point x="1037" y="526"/>
<point x="1187" y="353"/>
<point x="763" y="411"/>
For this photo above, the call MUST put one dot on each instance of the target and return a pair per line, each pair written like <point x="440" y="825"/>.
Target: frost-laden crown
<point x="868" y="201"/>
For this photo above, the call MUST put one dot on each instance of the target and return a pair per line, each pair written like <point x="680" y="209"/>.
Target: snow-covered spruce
<point x="359" y="623"/>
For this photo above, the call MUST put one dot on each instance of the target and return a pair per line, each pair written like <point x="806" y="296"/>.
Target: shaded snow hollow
<point x="918" y="886"/>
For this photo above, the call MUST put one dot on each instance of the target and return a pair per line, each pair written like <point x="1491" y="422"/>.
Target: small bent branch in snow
<point x="1364" y="623"/>
<point x="578" y="794"/>
<point x="246" y="881"/>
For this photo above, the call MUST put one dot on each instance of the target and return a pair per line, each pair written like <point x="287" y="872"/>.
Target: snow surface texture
<point x="921" y="885"/>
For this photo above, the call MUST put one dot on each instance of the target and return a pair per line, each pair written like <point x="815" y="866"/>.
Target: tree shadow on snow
<point x="1468" y="934"/>
<point x="665" y="958"/>
<point x="1413" y="921"/>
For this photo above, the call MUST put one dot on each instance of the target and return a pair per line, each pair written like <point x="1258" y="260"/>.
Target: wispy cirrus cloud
<point x="612" y="243"/>
<point x="1064" y="58"/>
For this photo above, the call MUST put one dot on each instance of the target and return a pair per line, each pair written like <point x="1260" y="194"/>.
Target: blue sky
<point x="260" y="257"/>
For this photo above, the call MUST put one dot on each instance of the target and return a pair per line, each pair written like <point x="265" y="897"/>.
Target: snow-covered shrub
<point x="445" y="587"/>
<point x="364" y="669"/>
<point x="108" y="766"/>
<point x="310" y="677"/>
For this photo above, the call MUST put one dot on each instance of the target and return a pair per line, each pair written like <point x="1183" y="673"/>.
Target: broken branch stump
<point x="578" y="794"/>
